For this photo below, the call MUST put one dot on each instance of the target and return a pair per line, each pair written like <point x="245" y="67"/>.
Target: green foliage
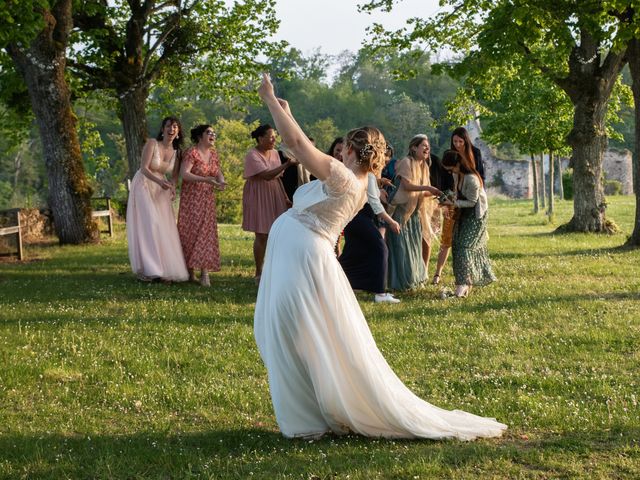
<point x="232" y="143"/>
<point x="323" y="131"/>
<point x="567" y="183"/>
<point x="367" y="92"/>
<point x="612" y="187"/>
<point x="20" y="20"/>
<point x="107" y="377"/>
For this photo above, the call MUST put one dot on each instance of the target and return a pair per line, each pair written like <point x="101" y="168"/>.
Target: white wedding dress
<point x="325" y="370"/>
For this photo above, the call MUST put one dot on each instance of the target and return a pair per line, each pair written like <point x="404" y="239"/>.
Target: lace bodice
<point x="326" y="207"/>
<point x="157" y="165"/>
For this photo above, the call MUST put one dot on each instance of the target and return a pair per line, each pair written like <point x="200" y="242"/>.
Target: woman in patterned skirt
<point x="197" y="223"/>
<point x="471" y="265"/>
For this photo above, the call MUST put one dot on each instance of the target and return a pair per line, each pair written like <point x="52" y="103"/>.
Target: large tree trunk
<point x="589" y="85"/>
<point x="588" y="141"/>
<point x="134" y="123"/>
<point x="633" y="54"/>
<point x="536" y="205"/>
<point x="551" y="210"/>
<point x="42" y="65"/>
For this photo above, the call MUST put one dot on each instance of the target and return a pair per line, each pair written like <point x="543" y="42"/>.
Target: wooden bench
<point x="14" y="229"/>
<point x="104" y="213"/>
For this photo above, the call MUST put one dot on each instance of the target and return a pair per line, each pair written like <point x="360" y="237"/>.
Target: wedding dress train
<point x="325" y="370"/>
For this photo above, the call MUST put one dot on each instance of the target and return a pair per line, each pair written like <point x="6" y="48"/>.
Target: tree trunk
<point x="134" y="123"/>
<point x="543" y="183"/>
<point x="588" y="141"/>
<point x="536" y="205"/>
<point x="559" y="175"/>
<point x="42" y="65"/>
<point x="551" y="211"/>
<point x="633" y="54"/>
<point x="589" y="85"/>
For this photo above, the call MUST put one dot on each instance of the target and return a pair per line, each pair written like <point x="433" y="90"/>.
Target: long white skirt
<point x="325" y="370"/>
<point x="154" y="245"/>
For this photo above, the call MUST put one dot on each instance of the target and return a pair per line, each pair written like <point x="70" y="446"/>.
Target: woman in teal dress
<point x="471" y="264"/>
<point x="411" y="207"/>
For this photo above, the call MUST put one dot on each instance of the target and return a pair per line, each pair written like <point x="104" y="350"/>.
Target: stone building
<point x="514" y="177"/>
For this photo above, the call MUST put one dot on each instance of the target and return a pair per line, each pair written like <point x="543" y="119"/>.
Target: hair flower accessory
<point x="366" y="151"/>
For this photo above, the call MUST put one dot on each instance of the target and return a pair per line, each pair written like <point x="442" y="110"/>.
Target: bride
<point x="326" y="373"/>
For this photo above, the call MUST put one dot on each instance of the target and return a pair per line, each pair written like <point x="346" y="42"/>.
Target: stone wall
<point x="515" y="176"/>
<point x="618" y="165"/>
<point x="509" y="177"/>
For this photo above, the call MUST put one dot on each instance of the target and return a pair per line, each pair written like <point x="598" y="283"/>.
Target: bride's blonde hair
<point x="370" y="147"/>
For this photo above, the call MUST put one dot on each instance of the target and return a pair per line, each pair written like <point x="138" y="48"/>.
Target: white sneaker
<point x="385" y="297"/>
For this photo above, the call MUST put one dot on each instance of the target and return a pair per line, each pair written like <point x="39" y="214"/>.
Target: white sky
<point x="335" y="25"/>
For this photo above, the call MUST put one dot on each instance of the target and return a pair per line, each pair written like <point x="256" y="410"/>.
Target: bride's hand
<point x="284" y="104"/>
<point x="265" y="90"/>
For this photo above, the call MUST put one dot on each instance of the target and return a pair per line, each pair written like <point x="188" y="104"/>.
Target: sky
<point x="335" y="25"/>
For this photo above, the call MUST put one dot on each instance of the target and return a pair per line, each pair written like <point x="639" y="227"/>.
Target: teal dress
<point x="406" y="268"/>
<point x="471" y="264"/>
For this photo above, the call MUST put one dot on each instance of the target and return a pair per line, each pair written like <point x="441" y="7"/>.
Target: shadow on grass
<point x="475" y="305"/>
<point x="97" y="284"/>
<point x="241" y="453"/>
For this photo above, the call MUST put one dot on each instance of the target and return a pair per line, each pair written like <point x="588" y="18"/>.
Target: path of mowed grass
<point x="106" y="377"/>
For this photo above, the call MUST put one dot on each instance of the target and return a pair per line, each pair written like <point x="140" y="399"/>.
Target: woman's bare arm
<point x="292" y="135"/>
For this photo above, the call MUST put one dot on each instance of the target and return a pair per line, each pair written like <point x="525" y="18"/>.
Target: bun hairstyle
<point x="177" y="142"/>
<point x="198" y="131"/>
<point x="260" y="131"/>
<point x="370" y="146"/>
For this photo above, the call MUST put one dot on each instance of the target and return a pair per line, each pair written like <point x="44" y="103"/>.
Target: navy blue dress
<point x="364" y="257"/>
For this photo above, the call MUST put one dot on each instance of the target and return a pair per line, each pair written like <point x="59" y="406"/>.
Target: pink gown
<point x="262" y="200"/>
<point x="152" y="235"/>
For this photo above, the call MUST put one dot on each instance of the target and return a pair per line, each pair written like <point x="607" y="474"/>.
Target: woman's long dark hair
<point x="178" y="141"/>
<point x="468" y="160"/>
<point x="468" y="146"/>
<point x="452" y="157"/>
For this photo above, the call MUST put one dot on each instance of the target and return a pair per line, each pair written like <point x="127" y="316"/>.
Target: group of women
<point x="387" y="243"/>
<point x="325" y="371"/>
<point x="408" y="214"/>
<point x="158" y="248"/>
<point x="326" y="374"/>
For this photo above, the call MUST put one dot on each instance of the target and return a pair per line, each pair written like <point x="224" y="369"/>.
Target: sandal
<point x="204" y="280"/>
<point x="436" y="280"/>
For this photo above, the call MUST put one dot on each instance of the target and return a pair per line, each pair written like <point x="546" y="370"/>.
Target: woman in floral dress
<point x="197" y="223"/>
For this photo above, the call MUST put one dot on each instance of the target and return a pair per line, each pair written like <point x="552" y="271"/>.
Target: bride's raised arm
<point x="292" y="135"/>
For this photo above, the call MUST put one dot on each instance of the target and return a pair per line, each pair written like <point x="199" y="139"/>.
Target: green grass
<point x="106" y="377"/>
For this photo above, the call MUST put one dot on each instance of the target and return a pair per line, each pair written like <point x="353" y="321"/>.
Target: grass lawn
<point x="105" y="377"/>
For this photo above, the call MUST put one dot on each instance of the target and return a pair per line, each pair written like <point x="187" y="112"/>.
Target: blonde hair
<point x="415" y="143"/>
<point x="370" y="147"/>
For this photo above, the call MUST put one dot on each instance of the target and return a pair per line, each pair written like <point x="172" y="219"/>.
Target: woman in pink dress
<point x="263" y="197"/>
<point x="197" y="224"/>
<point x="152" y="236"/>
